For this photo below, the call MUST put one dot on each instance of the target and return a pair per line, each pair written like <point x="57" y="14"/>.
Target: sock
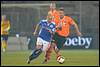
<point x="57" y="51"/>
<point x="58" y="54"/>
<point x="4" y="44"/>
<point x="35" y="54"/>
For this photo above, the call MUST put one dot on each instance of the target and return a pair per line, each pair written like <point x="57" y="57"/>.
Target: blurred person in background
<point x="5" y="27"/>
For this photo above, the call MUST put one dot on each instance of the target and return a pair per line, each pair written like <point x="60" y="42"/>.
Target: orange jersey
<point x="5" y="25"/>
<point x="66" y="22"/>
<point x="56" y="17"/>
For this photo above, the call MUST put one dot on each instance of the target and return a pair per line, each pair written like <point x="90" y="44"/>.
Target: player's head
<point x="49" y="17"/>
<point x="3" y="17"/>
<point x="52" y="6"/>
<point x="61" y="12"/>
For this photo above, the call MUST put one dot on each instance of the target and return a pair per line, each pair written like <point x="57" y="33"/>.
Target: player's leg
<point x="36" y="52"/>
<point x="56" y="50"/>
<point x="49" y="51"/>
<point x="59" y="44"/>
<point x="53" y="47"/>
<point x="56" y="45"/>
<point x="46" y="46"/>
<point x="4" y="42"/>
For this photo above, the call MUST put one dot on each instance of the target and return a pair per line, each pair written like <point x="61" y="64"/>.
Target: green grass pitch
<point x="72" y="58"/>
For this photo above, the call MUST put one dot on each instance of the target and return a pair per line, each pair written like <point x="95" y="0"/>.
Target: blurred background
<point x="24" y="15"/>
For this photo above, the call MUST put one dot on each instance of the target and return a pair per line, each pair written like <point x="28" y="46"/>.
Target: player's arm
<point x="37" y="26"/>
<point x="59" y="26"/>
<point x="8" y="28"/>
<point x="72" y="22"/>
<point x="77" y="29"/>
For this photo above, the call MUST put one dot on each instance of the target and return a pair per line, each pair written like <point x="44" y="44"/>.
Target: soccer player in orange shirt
<point x="63" y="30"/>
<point x="64" y="27"/>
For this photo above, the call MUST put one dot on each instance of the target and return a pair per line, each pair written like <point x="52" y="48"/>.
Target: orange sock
<point x="57" y="52"/>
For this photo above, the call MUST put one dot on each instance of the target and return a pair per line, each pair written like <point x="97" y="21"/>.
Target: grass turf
<point x="72" y="58"/>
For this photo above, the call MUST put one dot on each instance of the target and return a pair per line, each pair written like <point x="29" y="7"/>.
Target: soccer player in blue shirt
<point x="44" y="38"/>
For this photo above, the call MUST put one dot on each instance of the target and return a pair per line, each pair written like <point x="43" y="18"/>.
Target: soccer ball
<point x="61" y="60"/>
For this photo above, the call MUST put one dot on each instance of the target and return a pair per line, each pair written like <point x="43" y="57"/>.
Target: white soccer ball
<point x="61" y="60"/>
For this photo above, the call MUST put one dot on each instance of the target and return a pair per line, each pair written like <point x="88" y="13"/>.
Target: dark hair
<point x="61" y="9"/>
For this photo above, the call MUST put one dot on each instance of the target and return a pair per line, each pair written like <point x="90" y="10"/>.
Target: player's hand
<point x="34" y="33"/>
<point x="79" y="34"/>
<point x="59" y="27"/>
<point x="49" y="30"/>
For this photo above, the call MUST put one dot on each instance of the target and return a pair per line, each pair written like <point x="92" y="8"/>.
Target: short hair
<point x="61" y="9"/>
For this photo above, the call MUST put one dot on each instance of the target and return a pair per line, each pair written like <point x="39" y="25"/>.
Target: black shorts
<point x="59" y="40"/>
<point x="4" y="37"/>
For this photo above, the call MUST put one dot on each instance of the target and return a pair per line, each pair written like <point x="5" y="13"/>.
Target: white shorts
<point x="44" y="43"/>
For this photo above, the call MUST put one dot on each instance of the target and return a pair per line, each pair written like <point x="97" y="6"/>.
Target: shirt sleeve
<point x="71" y="21"/>
<point x="40" y="23"/>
